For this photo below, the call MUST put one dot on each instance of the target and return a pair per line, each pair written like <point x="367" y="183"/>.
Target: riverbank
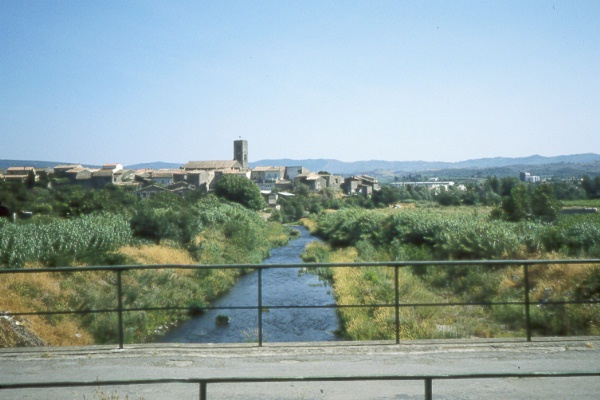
<point x="279" y="287"/>
<point x="220" y="243"/>
<point x="459" y="234"/>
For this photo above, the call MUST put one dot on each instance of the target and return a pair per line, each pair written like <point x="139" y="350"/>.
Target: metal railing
<point x="120" y="309"/>
<point x="204" y="382"/>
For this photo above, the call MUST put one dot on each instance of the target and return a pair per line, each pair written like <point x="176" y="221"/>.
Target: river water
<point x="280" y="287"/>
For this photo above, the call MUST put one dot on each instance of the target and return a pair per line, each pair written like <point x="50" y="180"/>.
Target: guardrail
<point x="204" y="382"/>
<point x="120" y="269"/>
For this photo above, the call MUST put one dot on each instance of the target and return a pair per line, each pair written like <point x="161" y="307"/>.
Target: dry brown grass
<point x="39" y="292"/>
<point x="309" y="224"/>
<point x="156" y="254"/>
<point x="545" y="280"/>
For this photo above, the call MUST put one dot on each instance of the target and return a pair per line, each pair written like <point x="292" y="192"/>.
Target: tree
<point x="14" y="196"/>
<point x="494" y="184"/>
<point x="240" y="190"/>
<point x="386" y="195"/>
<point x="471" y="196"/>
<point x="568" y="190"/>
<point x="515" y="207"/>
<point x="544" y="205"/>
<point x="157" y="224"/>
<point x="293" y="208"/>
<point x="448" y="197"/>
<point x="591" y="186"/>
<point x="30" y="180"/>
<point x="522" y="203"/>
<point x="302" y="190"/>
<point x="507" y="185"/>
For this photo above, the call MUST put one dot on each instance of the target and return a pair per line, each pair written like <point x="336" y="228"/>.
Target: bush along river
<point x="280" y="287"/>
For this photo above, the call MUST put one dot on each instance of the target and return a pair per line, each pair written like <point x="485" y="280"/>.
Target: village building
<point x="112" y="167"/>
<point x="312" y="180"/>
<point x="242" y="173"/>
<point x="20" y="174"/>
<point x="194" y="175"/>
<point x="267" y="177"/>
<point x="102" y="177"/>
<point x="205" y="174"/>
<point x="180" y="189"/>
<point x="284" y="185"/>
<point x="270" y="198"/>
<point x="360" y="184"/>
<point x="231" y="165"/>
<point x="240" y="153"/>
<point x="434" y="184"/>
<point x="163" y="177"/>
<point x="60" y="171"/>
<point x="148" y="192"/>
<point x="332" y="181"/>
<point x="79" y="175"/>
<point x="201" y="179"/>
<point x="292" y="172"/>
<point x="527" y="177"/>
<point x="123" y="176"/>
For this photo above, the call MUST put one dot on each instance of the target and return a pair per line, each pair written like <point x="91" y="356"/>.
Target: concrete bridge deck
<point x="312" y="359"/>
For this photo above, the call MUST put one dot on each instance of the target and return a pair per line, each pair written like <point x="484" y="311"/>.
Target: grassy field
<point x="458" y="233"/>
<point x="237" y="236"/>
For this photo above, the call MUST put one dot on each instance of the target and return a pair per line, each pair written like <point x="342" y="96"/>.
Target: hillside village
<point x="198" y="175"/>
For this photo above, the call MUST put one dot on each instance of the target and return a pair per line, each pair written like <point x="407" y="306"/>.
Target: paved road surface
<point x="314" y="359"/>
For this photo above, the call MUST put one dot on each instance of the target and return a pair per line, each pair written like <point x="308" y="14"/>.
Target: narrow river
<point x="280" y="287"/>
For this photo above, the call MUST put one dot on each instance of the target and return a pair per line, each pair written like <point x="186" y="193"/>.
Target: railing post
<point x="120" y="307"/>
<point x="526" y="288"/>
<point x="202" y="390"/>
<point x="397" y="304"/>
<point x="428" y="388"/>
<point x="260" y="338"/>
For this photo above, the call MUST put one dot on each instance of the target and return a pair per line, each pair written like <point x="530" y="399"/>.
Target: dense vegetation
<point x="58" y="242"/>
<point x="492" y="219"/>
<point x="460" y="234"/>
<point x="240" y="190"/>
<point x="541" y="201"/>
<point x="72" y="226"/>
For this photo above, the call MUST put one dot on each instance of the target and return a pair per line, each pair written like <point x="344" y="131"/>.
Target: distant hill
<point x="51" y="164"/>
<point x="560" y="166"/>
<point x="340" y="167"/>
<point x="37" y="164"/>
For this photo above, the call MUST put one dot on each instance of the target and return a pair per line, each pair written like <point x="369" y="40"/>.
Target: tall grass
<point x="433" y="235"/>
<point x="60" y="241"/>
<point x="230" y="234"/>
<point x="40" y="292"/>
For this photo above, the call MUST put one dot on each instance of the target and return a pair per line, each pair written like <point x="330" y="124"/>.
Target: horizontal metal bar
<point x="490" y="263"/>
<point x="276" y="307"/>
<point x="338" y="378"/>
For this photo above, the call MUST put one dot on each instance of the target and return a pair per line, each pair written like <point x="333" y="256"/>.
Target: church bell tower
<point x="240" y="153"/>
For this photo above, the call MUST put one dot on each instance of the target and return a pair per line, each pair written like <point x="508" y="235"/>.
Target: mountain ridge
<point x="355" y="167"/>
<point x="336" y="166"/>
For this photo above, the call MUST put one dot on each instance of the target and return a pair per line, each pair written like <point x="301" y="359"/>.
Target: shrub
<point x="241" y="190"/>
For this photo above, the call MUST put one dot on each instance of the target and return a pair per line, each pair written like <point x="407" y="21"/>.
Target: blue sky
<point x="141" y="81"/>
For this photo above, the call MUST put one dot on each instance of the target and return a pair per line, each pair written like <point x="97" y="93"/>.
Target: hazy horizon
<point x="293" y="159"/>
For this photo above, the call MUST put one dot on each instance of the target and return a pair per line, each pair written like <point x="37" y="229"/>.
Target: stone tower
<point x="240" y="153"/>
